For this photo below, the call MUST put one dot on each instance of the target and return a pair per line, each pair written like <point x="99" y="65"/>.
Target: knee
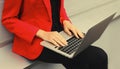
<point x="101" y="55"/>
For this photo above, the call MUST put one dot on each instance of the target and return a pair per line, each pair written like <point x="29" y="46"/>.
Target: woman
<point x="32" y="21"/>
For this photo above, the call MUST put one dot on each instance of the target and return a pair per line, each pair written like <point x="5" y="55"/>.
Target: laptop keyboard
<point x="73" y="44"/>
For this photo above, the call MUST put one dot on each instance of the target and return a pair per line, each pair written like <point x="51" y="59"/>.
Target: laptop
<point x="75" y="45"/>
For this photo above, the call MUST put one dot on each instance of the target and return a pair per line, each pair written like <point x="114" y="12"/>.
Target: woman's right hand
<point x="53" y="37"/>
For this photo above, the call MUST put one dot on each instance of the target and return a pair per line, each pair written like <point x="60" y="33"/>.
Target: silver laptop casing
<point x="91" y="36"/>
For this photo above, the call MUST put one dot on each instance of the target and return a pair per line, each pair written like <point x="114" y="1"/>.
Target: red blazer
<point x="34" y="15"/>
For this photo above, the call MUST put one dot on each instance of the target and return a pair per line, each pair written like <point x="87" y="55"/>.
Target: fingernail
<point x="83" y="36"/>
<point x="66" y="43"/>
<point x="57" y="45"/>
<point x="77" y="37"/>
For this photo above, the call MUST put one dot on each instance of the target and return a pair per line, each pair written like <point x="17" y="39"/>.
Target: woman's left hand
<point x="70" y="29"/>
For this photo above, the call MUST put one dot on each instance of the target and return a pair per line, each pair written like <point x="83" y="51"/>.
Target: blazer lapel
<point x="48" y="6"/>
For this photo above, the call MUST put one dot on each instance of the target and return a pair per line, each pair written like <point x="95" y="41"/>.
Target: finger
<point x="68" y="31"/>
<point x="61" y="40"/>
<point x="80" y="34"/>
<point x="75" y="33"/>
<point x="54" y="42"/>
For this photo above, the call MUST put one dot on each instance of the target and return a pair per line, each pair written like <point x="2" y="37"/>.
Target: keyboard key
<point x="73" y="44"/>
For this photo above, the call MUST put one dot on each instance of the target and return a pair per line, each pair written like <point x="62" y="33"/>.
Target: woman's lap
<point x="91" y="55"/>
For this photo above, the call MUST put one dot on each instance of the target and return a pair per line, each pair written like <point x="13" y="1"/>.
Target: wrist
<point x="40" y="33"/>
<point x="66" y="21"/>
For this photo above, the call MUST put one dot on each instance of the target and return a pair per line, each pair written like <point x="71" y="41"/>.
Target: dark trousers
<point x="91" y="58"/>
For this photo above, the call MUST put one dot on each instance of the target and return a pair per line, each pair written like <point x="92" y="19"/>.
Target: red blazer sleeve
<point x="13" y="24"/>
<point x="63" y="14"/>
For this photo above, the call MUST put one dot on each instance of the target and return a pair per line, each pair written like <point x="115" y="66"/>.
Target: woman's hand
<point x="70" y="29"/>
<point x="52" y="37"/>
